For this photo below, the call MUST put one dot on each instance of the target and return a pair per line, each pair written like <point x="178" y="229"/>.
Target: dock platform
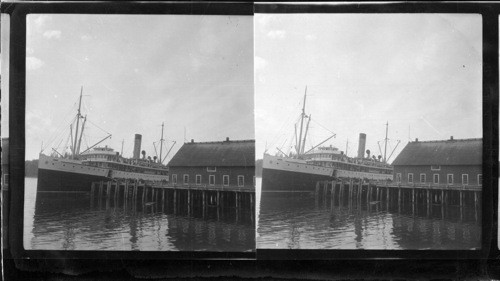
<point x="180" y="196"/>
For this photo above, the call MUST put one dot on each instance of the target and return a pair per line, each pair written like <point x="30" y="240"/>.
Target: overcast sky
<point x="420" y="72"/>
<point x="195" y="73"/>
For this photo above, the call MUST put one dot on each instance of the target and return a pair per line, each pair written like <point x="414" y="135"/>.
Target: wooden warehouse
<point x="225" y="163"/>
<point x="452" y="162"/>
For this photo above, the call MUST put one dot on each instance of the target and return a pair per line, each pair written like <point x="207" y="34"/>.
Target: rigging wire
<point x="99" y="127"/>
<point x="65" y="144"/>
<point x="323" y="127"/>
<point x="57" y="135"/>
<point x="61" y="126"/>
<point x="85" y="139"/>
<point x="277" y="137"/>
<point x="286" y="123"/>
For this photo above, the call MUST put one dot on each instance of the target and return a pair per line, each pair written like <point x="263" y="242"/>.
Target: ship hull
<point x="66" y="175"/>
<point x="282" y="174"/>
<point x="289" y="181"/>
<point x="63" y="181"/>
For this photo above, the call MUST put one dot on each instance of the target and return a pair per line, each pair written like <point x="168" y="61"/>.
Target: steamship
<point x="74" y="172"/>
<point x="299" y="172"/>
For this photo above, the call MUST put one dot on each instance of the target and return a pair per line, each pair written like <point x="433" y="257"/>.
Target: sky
<point x="194" y="73"/>
<point x="421" y="73"/>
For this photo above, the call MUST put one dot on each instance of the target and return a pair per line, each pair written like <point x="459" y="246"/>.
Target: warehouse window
<point x="422" y="178"/>
<point x="435" y="178"/>
<point x="211" y="179"/>
<point x="410" y="177"/>
<point x="174" y="178"/>
<point x="398" y="177"/>
<point x="435" y="168"/>
<point x="198" y="179"/>
<point x="211" y="169"/>
<point x="480" y="179"/>
<point x="6" y="180"/>
<point x="225" y="180"/>
<point x="186" y="178"/>
<point x="241" y="181"/>
<point x="465" y="179"/>
<point x="449" y="178"/>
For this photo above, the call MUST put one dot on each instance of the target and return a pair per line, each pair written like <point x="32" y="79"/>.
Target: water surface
<point x="304" y="221"/>
<point x="69" y="222"/>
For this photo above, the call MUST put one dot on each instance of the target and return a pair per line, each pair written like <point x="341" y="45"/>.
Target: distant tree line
<point x="258" y="168"/>
<point x="31" y="168"/>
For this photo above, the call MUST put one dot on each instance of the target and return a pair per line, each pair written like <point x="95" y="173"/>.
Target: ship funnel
<point x="137" y="146"/>
<point x="361" y="145"/>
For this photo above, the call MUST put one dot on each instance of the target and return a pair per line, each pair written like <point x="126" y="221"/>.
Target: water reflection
<point x="306" y="221"/>
<point x="79" y="222"/>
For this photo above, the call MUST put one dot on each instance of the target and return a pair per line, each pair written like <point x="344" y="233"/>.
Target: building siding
<point x="233" y="172"/>
<point x="456" y="170"/>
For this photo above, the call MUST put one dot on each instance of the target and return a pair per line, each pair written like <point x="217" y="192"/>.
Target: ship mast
<point x="161" y="143"/>
<point x="81" y="135"/>
<point x="305" y="134"/>
<point x="78" y="116"/>
<point x="385" y="148"/>
<point x="346" y="147"/>
<point x="302" y="122"/>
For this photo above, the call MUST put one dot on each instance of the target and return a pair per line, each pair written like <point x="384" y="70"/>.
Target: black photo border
<point x="265" y="262"/>
<point x="18" y="12"/>
<point x="489" y="13"/>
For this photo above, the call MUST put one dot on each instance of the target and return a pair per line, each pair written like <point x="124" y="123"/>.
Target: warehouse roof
<point x="239" y="153"/>
<point x="442" y="152"/>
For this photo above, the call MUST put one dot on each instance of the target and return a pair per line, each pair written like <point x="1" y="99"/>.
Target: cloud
<point x="311" y="37"/>
<point x="29" y="51"/>
<point x="52" y="34"/>
<point x="41" y="20"/>
<point x="86" y="37"/>
<point x="263" y="19"/>
<point x="33" y="63"/>
<point x="276" y="34"/>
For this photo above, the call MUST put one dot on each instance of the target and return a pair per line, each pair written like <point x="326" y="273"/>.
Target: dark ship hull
<point x="63" y="181"/>
<point x="290" y="181"/>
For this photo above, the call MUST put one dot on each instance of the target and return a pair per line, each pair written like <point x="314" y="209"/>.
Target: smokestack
<point x="137" y="146"/>
<point x="361" y="145"/>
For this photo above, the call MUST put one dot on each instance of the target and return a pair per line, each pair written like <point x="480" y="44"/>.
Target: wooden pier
<point x="182" y="198"/>
<point x="384" y="195"/>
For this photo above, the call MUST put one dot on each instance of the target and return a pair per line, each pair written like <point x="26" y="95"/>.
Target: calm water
<point x="69" y="222"/>
<point x="296" y="221"/>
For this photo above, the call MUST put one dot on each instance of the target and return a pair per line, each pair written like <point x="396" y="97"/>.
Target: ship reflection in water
<point x="69" y="222"/>
<point x="306" y="221"/>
